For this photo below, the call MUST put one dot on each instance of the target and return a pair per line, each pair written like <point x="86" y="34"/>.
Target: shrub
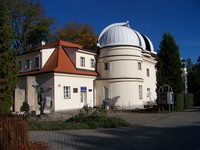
<point x="189" y="100"/>
<point x="85" y="119"/>
<point x="179" y="101"/>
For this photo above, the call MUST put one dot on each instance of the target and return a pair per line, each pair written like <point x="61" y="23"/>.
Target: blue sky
<point x="151" y="17"/>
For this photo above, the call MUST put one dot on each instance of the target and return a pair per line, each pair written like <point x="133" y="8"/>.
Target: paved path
<point x="148" y="131"/>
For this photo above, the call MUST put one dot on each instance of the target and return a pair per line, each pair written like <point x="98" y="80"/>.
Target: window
<point x="19" y="65"/>
<point x="82" y="61"/>
<point x="107" y="92"/>
<point x="140" y="91"/>
<point x="28" y="63"/>
<point x="106" y="66"/>
<point x="92" y="62"/>
<point x="75" y="90"/>
<point x="148" y="73"/>
<point x="66" y="90"/>
<point x="36" y="62"/>
<point x="148" y="92"/>
<point x="139" y="66"/>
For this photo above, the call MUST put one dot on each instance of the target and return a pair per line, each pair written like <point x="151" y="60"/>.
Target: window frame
<point x="140" y="92"/>
<point x="37" y="62"/>
<point x="92" y="63"/>
<point x="107" y="91"/>
<point x="139" y="66"/>
<point x="82" y="61"/>
<point x="28" y="61"/>
<point x="148" y="72"/>
<point x="66" y="92"/>
<point x="107" y="66"/>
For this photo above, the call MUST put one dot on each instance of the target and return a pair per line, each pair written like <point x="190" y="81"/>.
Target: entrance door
<point x="84" y="98"/>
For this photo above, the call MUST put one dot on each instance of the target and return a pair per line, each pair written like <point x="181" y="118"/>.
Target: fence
<point x="14" y="134"/>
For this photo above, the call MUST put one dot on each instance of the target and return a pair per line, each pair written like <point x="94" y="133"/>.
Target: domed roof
<point x="121" y="34"/>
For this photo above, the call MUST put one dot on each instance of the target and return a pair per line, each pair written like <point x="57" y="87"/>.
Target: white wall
<point x="88" y="56"/>
<point x="31" y="57"/>
<point x="124" y="77"/>
<point x="149" y="81"/>
<point x="123" y="62"/>
<point x="47" y="82"/>
<point x="124" y="92"/>
<point x="45" y="54"/>
<point x="73" y="81"/>
<point x="20" y="93"/>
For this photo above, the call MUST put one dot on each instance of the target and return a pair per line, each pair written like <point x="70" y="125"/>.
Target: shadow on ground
<point x="184" y="138"/>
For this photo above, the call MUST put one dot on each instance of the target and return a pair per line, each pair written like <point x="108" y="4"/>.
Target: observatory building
<point x="126" y="68"/>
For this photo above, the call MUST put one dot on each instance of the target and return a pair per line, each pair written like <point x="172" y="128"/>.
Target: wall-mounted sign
<point x="83" y="89"/>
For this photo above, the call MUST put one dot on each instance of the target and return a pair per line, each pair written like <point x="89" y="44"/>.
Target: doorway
<point x="84" y="98"/>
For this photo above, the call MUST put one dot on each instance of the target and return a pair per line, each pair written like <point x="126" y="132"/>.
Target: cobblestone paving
<point x="148" y="131"/>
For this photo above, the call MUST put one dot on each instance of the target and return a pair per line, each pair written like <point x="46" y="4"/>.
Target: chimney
<point x="43" y="43"/>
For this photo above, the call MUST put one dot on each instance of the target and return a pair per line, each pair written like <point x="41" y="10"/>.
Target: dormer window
<point x="36" y="62"/>
<point x="19" y="65"/>
<point x="92" y="61"/>
<point x="28" y="64"/>
<point x="82" y="61"/>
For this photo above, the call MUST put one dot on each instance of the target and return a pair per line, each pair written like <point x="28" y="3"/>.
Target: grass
<point x="86" y="119"/>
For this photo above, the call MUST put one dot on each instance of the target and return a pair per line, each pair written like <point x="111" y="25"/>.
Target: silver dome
<point x="121" y="34"/>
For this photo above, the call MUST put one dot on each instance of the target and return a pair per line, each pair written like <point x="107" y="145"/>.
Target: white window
<point x="92" y="62"/>
<point x="28" y="63"/>
<point x="66" y="90"/>
<point x="106" y="66"/>
<point x="139" y="66"/>
<point x="36" y="62"/>
<point x="82" y="61"/>
<point x="107" y="92"/>
<point x="140" y="91"/>
<point x="148" y="74"/>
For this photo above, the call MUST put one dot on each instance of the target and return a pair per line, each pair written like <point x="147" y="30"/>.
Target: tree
<point x="29" y="23"/>
<point x="82" y="34"/>
<point x="189" y="65"/>
<point x="8" y="72"/>
<point x="169" y="64"/>
<point x="194" y="78"/>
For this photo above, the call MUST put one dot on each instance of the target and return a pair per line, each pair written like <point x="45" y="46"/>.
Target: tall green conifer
<point x="169" y="64"/>
<point x="8" y="72"/>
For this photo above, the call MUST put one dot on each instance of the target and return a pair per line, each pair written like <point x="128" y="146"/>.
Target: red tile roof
<point x="62" y="43"/>
<point x="60" y="62"/>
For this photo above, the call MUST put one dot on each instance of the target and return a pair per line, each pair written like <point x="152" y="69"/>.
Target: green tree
<point x="189" y="65"/>
<point x="29" y="23"/>
<point x="194" y="78"/>
<point x="169" y="64"/>
<point x="8" y="72"/>
<point x="74" y="32"/>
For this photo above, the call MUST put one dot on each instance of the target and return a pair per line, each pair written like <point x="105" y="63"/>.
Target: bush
<point x="179" y="101"/>
<point x="86" y="119"/>
<point x="197" y="99"/>
<point x="183" y="101"/>
<point x="189" y="100"/>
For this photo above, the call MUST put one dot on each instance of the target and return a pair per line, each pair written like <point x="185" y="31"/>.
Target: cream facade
<point x="67" y="81"/>
<point x="126" y="68"/>
<point x="123" y="73"/>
